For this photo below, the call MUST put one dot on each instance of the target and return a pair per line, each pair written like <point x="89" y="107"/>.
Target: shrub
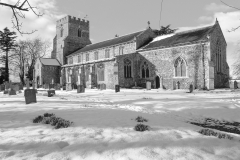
<point x="209" y="132"/>
<point x="141" y="127"/>
<point x="50" y="118"/>
<point x="141" y="119"/>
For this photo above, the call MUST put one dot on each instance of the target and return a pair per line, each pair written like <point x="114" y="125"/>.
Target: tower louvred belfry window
<point x="79" y="32"/>
<point x="145" y="70"/>
<point x="61" y="32"/>
<point x="127" y="68"/>
<point x="180" y="68"/>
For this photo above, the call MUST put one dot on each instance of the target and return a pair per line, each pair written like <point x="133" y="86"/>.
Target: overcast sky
<point x="110" y="17"/>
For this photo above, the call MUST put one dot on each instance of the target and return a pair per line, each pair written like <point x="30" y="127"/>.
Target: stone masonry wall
<point x="220" y="78"/>
<point x="49" y="73"/>
<point x="161" y="63"/>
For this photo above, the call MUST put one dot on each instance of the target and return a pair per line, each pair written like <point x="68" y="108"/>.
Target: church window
<point x="87" y="57"/>
<point x="100" y="72"/>
<point x="127" y="68"/>
<point x="96" y="56"/>
<point x="107" y="53"/>
<point x="218" y="57"/>
<point x="180" y="68"/>
<point x="79" y="32"/>
<point x="145" y="70"/>
<point x="79" y="59"/>
<point x="61" y="32"/>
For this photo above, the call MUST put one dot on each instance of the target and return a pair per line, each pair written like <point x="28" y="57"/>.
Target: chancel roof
<point x="50" y="62"/>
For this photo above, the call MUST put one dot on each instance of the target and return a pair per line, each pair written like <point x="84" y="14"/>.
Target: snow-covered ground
<point x="104" y="122"/>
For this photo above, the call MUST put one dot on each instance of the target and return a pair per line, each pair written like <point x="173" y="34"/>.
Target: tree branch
<point x="17" y="10"/>
<point x="230" y="6"/>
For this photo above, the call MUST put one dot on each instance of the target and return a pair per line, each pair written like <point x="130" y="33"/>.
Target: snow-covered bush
<point x="141" y="119"/>
<point x="50" y="118"/>
<point x="209" y="132"/>
<point x="141" y="127"/>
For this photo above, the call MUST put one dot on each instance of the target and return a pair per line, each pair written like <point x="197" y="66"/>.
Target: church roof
<point x="111" y="42"/>
<point x="184" y="37"/>
<point x="49" y="62"/>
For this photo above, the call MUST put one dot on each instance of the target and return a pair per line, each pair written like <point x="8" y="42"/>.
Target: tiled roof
<point x="50" y="62"/>
<point x="180" y="38"/>
<point x="117" y="40"/>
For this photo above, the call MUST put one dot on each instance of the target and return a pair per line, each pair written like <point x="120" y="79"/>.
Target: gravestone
<point x="12" y="92"/>
<point x="117" y="88"/>
<point x="178" y="85"/>
<point x="191" y="88"/>
<point x="102" y="86"/>
<point x="30" y="94"/>
<point x="80" y="89"/>
<point x="2" y="87"/>
<point x="148" y="85"/>
<point x="46" y="86"/>
<point x="235" y="85"/>
<point x="20" y="86"/>
<point x="231" y="85"/>
<point x="51" y="93"/>
<point x="98" y="86"/>
<point x="7" y="86"/>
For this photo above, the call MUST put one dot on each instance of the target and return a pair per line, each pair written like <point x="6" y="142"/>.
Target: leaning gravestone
<point x="30" y="94"/>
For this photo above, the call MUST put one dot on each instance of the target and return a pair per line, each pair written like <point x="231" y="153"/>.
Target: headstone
<point x="46" y="86"/>
<point x="235" y="85"/>
<point x="117" y="88"/>
<point x="12" y="92"/>
<point x="102" y="86"/>
<point x="2" y="87"/>
<point x="80" y="89"/>
<point x="51" y="93"/>
<point x="178" y="85"/>
<point x="20" y="86"/>
<point x="64" y="88"/>
<point x="30" y="96"/>
<point x="99" y="86"/>
<point x="191" y="88"/>
<point x="231" y="85"/>
<point x="68" y="86"/>
<point x="7" y="86"/>
<point x="16" y="88"/>
<point x="148" y="85"/>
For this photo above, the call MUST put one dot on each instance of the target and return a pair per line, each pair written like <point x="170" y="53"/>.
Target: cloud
<point x="213" y="7"/>
<point x="205" y="19"/>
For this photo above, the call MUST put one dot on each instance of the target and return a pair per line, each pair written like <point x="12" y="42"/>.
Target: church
<point x="172" y="61"/>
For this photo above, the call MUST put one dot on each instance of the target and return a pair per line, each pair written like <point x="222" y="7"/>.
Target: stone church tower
<point x="71" y="34"/>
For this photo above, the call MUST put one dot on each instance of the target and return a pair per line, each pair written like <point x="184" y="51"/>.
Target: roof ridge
<point x="195" y="29"/>
<point x="115" y="38"/>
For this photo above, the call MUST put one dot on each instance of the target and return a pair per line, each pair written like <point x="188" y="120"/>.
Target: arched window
<point x="79" y="32"/>
<point x="145" y="70"/>
<point x="61" y="32"/>
<point x="218" y="57"/>
<point x="95" y="55"/>
<point x="180" y="68"/>
<point x="100" y="69"/>
<point x="127" y="68"/>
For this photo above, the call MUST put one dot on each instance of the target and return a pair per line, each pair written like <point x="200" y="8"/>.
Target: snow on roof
<point x="158" y="38"/>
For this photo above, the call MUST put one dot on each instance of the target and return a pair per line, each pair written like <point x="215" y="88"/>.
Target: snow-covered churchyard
<point x="181" y="125"/>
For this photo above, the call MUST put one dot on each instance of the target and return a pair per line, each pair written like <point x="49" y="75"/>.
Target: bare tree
<point x="234" y="28"/>
<point x="19" y="59"/>
<point x="35" y="48"/>
<point x="18" y="10"/>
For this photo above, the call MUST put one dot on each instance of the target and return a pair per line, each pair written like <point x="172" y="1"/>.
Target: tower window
<point x="127" y="68"/>
<point x="61" y="32"/>
<point x="96" y="55"/>
<point x="107" y="53"/>
<point x="218" y="57"/>
<point x="145" y="70"/>
<point x="79" y="32"/>
<point x="180" y="68"/>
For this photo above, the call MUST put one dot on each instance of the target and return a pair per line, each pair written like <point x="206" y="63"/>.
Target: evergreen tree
<point x="7" y="43"/>
<point x="166" y="30"/>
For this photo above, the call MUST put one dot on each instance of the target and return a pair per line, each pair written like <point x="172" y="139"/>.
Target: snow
<point x="158" y="38"/>
<point x="104" y="121"/>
